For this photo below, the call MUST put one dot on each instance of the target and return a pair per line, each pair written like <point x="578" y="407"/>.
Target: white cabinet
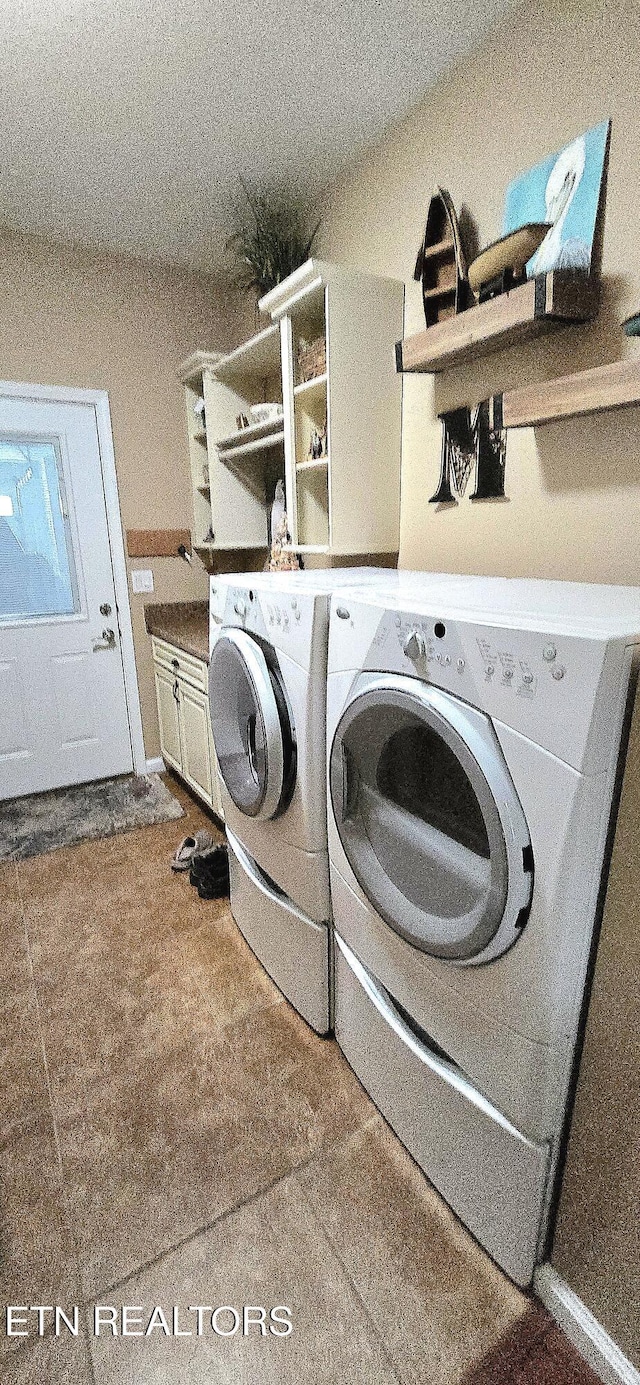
<point x="345" y="501"/>
<point x="186" y="741"/>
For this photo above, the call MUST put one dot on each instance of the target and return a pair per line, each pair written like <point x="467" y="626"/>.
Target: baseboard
<point x="156" y="765"/>
<point x="586" y="1333"/>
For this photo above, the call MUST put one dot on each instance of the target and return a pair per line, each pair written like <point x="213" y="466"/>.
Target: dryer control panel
<point x="561" y="691"/>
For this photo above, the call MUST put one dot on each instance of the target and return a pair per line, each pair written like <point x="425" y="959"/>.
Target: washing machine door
<point x="252" y="728"/>
<point x="430" y="820"/>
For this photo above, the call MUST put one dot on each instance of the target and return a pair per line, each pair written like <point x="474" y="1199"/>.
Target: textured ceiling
<point x="125" y="126"/>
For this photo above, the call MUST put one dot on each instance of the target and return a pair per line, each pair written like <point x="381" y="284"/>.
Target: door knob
<point x="105" y="609"/>
<point x="108" y="641"/>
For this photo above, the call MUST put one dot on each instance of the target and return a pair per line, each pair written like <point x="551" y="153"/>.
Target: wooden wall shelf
<point x="551" y="300"/>
<point x="613" y="386"/>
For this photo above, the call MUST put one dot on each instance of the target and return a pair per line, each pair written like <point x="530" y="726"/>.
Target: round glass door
<point x="429" y="819"/>
<point x="252" y="730"/>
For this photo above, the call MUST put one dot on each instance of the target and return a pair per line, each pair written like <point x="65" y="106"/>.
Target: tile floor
<point x="173" y="1134"/>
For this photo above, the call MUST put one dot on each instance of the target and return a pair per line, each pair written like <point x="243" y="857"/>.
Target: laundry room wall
<point x="549" y="71"/>
<point x="99" y="321"/>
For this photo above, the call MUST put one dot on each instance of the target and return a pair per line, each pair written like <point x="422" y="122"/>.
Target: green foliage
<point x="270" y="240"/>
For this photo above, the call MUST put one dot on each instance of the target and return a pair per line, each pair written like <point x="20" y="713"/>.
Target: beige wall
<point x="70" y="317"/>
<point x="573" y="490"/>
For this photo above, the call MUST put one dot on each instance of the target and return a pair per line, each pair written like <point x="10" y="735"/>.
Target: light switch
<point x="142" y="580"/>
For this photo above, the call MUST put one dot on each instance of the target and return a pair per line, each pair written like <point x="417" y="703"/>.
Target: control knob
<point x="414" y="646"/>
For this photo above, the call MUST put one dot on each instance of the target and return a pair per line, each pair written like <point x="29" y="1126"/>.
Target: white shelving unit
<point x="346" y="502"/>
<point x="234" y="470"/>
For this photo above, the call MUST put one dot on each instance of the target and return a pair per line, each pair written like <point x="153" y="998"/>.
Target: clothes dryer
<point x="475" y="735"/>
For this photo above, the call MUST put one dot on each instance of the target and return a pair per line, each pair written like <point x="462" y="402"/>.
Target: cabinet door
<point x="167" y="694"/>
<point x="194" y="725"/>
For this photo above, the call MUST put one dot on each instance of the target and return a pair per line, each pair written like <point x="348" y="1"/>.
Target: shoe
<point x="212" y="861"/>
<point x="213" y="888"/>
<point x="210" y="873"/>
<point x="188" y="848"/>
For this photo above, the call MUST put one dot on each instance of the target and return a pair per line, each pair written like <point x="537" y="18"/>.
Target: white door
<point x="63" y="708"/>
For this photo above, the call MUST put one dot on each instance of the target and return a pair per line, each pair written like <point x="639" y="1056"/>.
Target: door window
<point x="420" y="822"/>
<point x="37" y="569"/>
<point x="252" y="730"/>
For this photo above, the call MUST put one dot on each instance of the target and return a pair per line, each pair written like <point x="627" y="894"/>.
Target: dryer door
<point x="252" y="730"/>
<point x="430" y="820"/>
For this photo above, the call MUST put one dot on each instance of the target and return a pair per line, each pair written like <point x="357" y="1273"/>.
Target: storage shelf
<point x="305" y="548"/>
<point x="255" y="449"/>
<point x="258" y="358"/>
<point x="256" y="431"/>
<point x="313" y="464"/>
<point x="229" y="547"/>
<point x="440" y="291"/>
<point x="316" y="385"/>
<point x="540" y="305"/>
<point x="615" y="386"/>
<point x="439" y="250"/>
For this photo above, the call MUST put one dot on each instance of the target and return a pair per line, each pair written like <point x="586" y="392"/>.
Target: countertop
<point x="183" y="623"/>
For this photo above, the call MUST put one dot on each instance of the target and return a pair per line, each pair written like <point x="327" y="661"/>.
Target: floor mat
<point x="46" y="821"/>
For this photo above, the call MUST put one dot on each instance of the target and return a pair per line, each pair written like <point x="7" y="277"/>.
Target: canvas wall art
<point x="565" y="191"/>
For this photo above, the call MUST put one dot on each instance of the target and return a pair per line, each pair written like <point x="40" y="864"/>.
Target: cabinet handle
<point x="176" y="691"/>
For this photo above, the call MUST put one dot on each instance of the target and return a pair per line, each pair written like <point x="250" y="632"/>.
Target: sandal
<point x="189" y="846"/>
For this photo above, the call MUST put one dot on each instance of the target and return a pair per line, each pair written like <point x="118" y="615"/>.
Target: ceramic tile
<point x="268" y="1254"/>
<point x="23" y="1088"/>
<point x="555" y="1361"/>
<point x="51" y="1361"/>
<point x="183" y="1123"/>
<point x="410" y="1259"/>
<point x="14" y="960"/>
<point x="231" y="979"/>
<point x="37" y="1258"/>
<point x="507" y="1357"/>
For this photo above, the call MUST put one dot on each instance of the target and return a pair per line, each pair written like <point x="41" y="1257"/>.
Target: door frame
<point x="99" y="400"/>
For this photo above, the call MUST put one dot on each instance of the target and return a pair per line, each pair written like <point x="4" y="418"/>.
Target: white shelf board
<point x="255" y="431"/>
<point x="305" y="548"/>
<point x="229" y="547"/>
<point x="191" y="370"/>
<point x="314" y="464"/>
<point x="255" y="449"/>
<point x="257" y="358"/>
<point x="316" y="385"/>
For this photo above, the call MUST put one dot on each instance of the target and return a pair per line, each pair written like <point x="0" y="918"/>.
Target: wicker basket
<point x="312" y="358"/>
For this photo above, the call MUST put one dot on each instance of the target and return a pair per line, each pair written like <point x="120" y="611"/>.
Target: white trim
<point x="62" y="394"/>
<point x="156" y="765"/>
<point x="580" y="1326"/>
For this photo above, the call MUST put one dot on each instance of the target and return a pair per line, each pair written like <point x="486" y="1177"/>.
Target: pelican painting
<point x="564" y="190"/>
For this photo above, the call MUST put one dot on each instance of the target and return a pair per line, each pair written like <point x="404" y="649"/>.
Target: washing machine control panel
<point x="541" y="684"/>
<point x="286" y="620"/>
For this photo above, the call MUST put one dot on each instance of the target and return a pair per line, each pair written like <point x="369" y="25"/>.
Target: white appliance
<point x="267" y="688"/>
<point x="475" y="733"/>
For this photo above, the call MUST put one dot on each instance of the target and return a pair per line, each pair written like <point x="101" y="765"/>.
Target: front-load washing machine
<point x="267" y="689"/>
<point x="475" y="736"/>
